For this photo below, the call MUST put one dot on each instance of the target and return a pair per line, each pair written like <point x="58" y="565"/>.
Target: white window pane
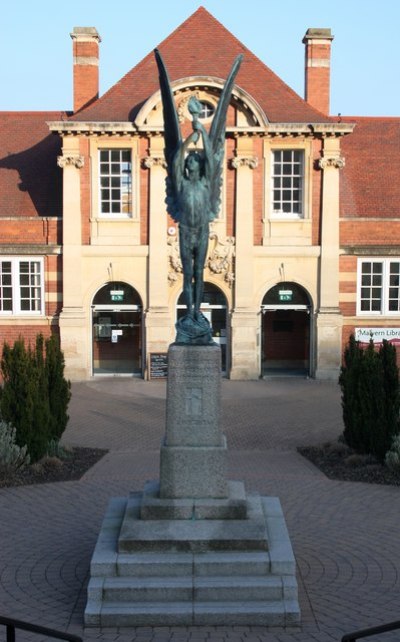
<point x="115" y="172"/>
<point x="287" y="181"/>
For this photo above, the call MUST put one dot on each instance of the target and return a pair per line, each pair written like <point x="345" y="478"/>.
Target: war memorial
<point x="193" y="548"/>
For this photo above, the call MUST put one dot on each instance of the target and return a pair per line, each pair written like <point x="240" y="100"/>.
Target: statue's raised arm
<point x="193" y="187"/>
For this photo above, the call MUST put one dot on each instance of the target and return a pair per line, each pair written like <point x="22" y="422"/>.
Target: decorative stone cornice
<point x="74" y="128"/>
<point x="76" y="160"/>
<point x="244" y="161"/>
<point x="338" y="162"/>
<point x="154" y="161"/>
<point x="269" y="130"/>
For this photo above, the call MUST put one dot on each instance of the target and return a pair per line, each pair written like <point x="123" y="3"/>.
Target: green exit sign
<point x="117" y="295"/>
<point x="285" y="295"/>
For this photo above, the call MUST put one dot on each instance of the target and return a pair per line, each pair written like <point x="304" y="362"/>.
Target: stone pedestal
<point x="193" y="455"/>
<point x="193" y="548"/>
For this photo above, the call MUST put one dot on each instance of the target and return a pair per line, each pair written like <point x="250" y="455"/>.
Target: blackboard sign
<point x="158" y="365"/>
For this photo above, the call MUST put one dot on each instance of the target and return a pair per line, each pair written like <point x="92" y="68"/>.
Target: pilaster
<point x="245" y="348"/>
<point x="73" y="316"/>
<point x="158" y="316"/>
<point x="329" y="317"/>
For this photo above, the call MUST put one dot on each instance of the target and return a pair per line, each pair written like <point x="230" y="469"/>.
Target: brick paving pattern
<point x="345" y="535"/>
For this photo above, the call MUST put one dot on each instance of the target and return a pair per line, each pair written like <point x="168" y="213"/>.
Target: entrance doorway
<point x="214" y="307"/>
<point x="286" y="314"/>
<point x="117" y="330"/>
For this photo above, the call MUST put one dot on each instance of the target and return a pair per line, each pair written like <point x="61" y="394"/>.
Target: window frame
<point x="384" y="286"/>
<point x="120" y="214"/>
<point x="17" y="286"/>
<point x="281" y="214"/>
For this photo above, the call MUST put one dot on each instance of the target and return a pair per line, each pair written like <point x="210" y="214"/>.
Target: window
<point x="287" y="181"/>
<point x="207" y="110"/>
<point x="379" y="286"/>
<point x="115" y="182"/>
<point x="21" y="286"/>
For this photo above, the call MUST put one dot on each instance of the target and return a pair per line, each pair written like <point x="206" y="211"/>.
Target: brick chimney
<point x="317" y="68"/>
<point x="85" y="41"/>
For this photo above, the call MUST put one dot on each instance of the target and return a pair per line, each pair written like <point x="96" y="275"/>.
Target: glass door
<point x="116" y="331"/>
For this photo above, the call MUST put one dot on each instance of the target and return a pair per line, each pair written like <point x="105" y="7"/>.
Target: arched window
<point x="207" y="110"/>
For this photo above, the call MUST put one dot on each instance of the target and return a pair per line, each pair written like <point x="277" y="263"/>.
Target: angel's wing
<point x="172" y="134"/>
<point x="217" y="136"/>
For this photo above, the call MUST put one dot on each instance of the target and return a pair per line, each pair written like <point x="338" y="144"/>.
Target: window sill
<point x="115" y="231"/>
<point x="287" y="231"/>
<point x="14" y="317"/>
<point x="282" y="216"/>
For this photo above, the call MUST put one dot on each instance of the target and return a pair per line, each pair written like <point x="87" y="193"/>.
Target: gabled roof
<point x="369" y="182"/>
<point x="30" y="181"/>
<point x="201" y="46"/>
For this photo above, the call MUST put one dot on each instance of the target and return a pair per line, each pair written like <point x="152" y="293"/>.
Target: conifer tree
<point x="349" y="382"/>
<point x="369" y="380"/>
<point x="59" y="389"/>
<point x="21" y="401"/>
<point x="387" y="355"/>
<point x="35" y="395"/>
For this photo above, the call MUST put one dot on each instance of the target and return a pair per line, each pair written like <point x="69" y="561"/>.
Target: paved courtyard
<point x="345" y="535"/>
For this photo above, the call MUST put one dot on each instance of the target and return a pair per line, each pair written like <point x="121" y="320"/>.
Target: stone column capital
<point x="336" y="161"/>
<point x="154" y="161"/>
<point x="76" y="160"/>
<point x="244" y="161"/>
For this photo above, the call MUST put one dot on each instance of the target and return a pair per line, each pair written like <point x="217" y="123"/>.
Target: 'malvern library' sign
<point x="364" y="335"/>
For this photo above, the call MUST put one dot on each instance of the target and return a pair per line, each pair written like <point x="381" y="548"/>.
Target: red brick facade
<point x="33" y="178"/>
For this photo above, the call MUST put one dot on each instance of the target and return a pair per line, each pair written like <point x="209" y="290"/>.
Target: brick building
<point x="305" y="250"/>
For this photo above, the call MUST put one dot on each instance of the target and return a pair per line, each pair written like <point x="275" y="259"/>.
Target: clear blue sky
<point x="36" y="48"/>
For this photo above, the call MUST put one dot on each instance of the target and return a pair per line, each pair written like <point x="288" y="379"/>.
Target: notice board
<point x="158" y="365"/>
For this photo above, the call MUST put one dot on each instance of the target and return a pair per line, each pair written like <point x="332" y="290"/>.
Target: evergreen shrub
<point x="12" y="457"/>
<point x="369" y="380"/>
<point x="35" y="395"/>
<point x="392" y="458"/>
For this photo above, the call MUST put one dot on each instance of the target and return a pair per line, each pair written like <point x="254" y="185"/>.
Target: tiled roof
<point x="30" y="181"/>
<point x="201" y="46"/>
<point x="369" y="182"/>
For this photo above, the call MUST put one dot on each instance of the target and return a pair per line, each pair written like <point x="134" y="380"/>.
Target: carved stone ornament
<point x="244" y="161"/>
<point x="219" y="261"/>
<point x="338" y="162"/>
<point x="76" y="160"/>
<point x="154" y="161"/>
<point x="174" y="259"/>
<point x="220" y="258"/>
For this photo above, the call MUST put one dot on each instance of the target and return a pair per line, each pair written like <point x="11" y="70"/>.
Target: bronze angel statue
<point x="193" y="187"/>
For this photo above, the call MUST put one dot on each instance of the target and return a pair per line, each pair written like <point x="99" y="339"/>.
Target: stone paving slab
<point x="345" y="536"/>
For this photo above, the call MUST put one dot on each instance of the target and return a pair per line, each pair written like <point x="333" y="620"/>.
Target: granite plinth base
<point x="193" y="572"/>
<point x="193" y="471"/>
<point x="233" y="506"/>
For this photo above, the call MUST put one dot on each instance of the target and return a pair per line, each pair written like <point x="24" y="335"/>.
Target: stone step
<point x="229" y="564"/>
<point x="201" y="589"/>
<point x="147" y="589"/>
<point x="280" y="613"/>
<point x="244" y="589"/>
<point x="200" y="613"/>
<point x="154" y="565"/>
<point x="153" y="614"/>
<point x="239" y="588"/>
<point x="187" y="564"/>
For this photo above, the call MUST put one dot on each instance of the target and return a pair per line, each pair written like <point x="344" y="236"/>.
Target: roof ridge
<point x="369" y="117"/>
<point x="202" y="22"/>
